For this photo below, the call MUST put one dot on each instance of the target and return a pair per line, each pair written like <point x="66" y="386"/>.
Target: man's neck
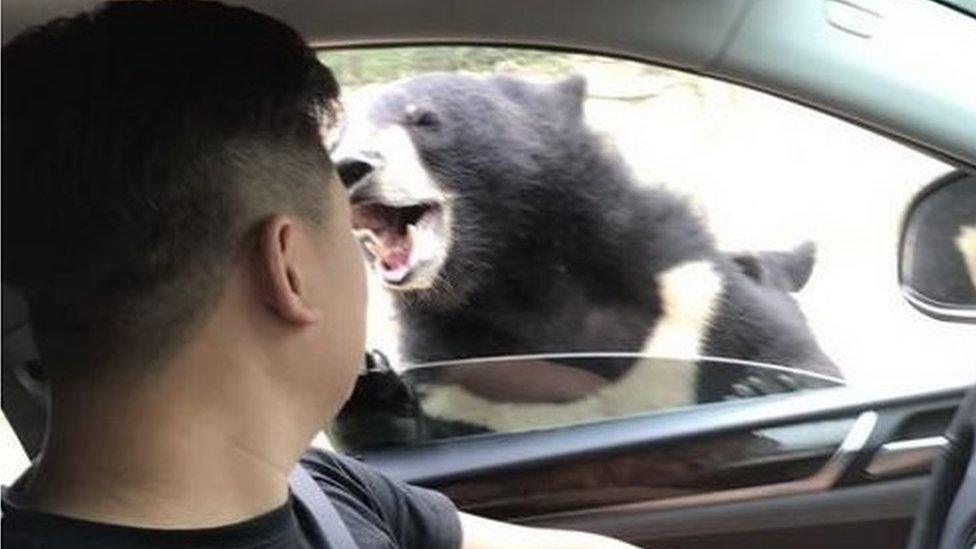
<point x="161" y="455"/>
<point x="207" y="439"/>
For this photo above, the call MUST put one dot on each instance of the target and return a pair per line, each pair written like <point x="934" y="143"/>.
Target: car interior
<point x="841" y="465"/>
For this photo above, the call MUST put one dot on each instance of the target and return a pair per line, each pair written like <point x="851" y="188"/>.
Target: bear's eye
<point x="422" y="118"/>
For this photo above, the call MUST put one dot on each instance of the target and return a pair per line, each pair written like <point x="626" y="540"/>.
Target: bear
<point x="503" y="224"/>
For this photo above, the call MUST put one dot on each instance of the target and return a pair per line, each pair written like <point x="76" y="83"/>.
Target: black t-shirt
<point x="380" y="513"/>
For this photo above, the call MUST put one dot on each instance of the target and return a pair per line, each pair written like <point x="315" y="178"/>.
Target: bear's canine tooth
<point x="411" y="234"/>
<point x="371" y="247"/>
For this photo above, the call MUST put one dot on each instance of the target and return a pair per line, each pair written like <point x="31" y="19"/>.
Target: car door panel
<point x="736" y="474"/>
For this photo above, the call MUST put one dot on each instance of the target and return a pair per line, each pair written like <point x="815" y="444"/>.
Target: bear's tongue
<point x="393" y="249"/>
<point x="392" y="243"/>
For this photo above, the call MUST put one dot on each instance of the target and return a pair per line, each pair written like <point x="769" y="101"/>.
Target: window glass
<point x="510" y="394"/>
<point x="536" y="205"/>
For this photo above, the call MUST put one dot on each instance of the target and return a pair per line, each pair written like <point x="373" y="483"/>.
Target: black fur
<point x="555" y="248"/>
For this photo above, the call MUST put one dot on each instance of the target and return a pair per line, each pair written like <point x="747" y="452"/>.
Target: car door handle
<point x="904" y="457"/>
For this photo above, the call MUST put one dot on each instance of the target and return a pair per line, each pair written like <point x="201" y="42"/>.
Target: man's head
<point x="154" y="152"/>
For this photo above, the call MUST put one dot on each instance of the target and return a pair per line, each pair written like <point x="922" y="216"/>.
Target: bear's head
<point x="426" y="152"/>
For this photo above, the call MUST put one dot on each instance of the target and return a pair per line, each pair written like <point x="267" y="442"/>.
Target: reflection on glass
<point x="442" y="400"/>
<point x="938" y="255"/>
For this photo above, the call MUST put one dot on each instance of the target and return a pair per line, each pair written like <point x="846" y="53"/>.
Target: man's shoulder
<point x="372" y="503"/>
<point x="333" y="470"/>
<point x="316" y="456"/>
<point x="355" y="486"/>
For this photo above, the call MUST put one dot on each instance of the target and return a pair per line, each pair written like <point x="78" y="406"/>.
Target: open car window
<point x="692" y="234"/>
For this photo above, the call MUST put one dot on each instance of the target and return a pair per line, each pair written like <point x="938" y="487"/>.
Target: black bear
<point x="504" y="225"/>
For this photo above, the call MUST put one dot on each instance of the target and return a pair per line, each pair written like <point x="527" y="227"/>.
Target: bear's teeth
<point x="411" y="234"/>
<point x="371" y="247"/>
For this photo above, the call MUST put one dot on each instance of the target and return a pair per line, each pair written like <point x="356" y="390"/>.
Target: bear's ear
<point x="569" y="94"/>
<point x="788" y="271"/>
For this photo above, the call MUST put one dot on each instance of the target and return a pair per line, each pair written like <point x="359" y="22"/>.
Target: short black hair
<point x="142" y="144"/>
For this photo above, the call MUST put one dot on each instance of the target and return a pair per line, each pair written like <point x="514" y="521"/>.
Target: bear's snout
<point x="352" y="170"/>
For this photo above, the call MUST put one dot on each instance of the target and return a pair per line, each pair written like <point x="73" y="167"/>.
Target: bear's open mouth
<point x="401" y="241"/>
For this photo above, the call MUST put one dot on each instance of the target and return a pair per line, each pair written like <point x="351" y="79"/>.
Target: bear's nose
<point x="352" y="170"/>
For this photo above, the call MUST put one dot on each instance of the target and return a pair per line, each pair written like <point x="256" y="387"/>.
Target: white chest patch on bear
<point x="689" y="295"/>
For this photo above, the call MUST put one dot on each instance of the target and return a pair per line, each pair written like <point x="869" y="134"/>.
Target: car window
<point x="552" y="235"/>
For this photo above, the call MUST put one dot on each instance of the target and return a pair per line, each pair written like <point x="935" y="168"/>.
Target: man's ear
<point x="281" y="271"/>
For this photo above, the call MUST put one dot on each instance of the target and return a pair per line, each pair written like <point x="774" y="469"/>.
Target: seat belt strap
<point x="310" y="495"/>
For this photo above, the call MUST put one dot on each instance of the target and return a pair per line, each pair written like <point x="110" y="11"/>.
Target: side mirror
<point x="937" y="259"/>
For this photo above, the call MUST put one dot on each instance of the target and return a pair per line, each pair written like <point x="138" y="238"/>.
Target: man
<point x="196" y="297"/>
